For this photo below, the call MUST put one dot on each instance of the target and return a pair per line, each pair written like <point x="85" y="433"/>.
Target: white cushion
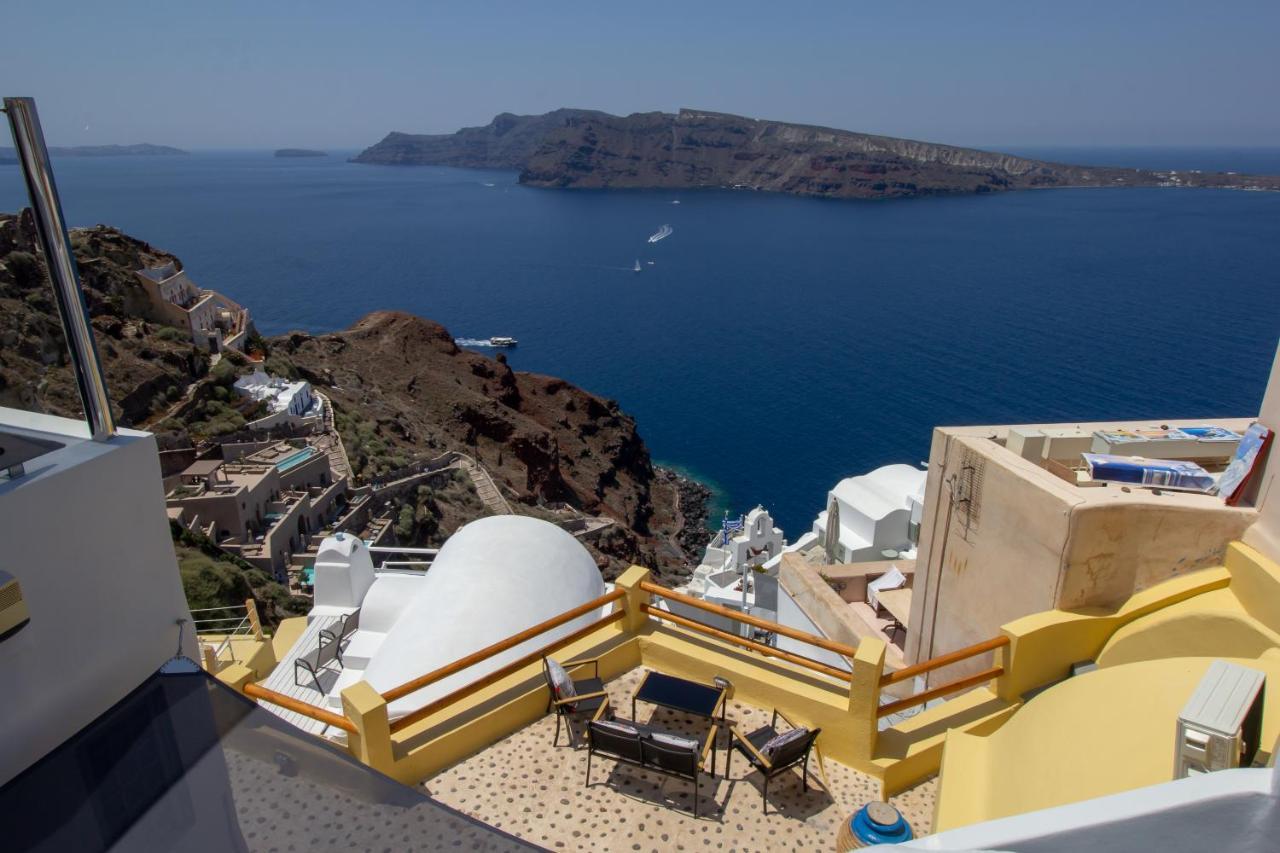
<point x="615" y="726"/>
<point x="677" y="741"/>
<point x="773" y="744"/>
<point x="560" y="680"/>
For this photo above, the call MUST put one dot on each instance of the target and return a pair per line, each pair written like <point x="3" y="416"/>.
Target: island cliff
<point x="700" y="149"/>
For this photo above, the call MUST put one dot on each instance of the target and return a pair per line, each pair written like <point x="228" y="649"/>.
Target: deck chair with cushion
<point x="341" y="631"/>
<point x="892" y="579"/>
<point x="316" y="661"/>
<point x="650" y="748"/>
<point x="773" y="752"/>
<point x="573" y="700"/>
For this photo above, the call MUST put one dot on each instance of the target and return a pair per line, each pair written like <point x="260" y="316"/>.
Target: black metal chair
<point x="315" y="661"/>
<point x="589" y="697"/>
<point x="341" y="632"/>
<point x="787" y="755"/>
<point x="639" y="749"/>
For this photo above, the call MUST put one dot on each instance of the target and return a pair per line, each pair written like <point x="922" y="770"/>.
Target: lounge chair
<point x="650" y="748"/>
<point x="315" y="661"/>
<point x="573" y="699"/>
<point x="341" y="631"/>
<point x="892" y="579"/>
<point x="771" y="759"/>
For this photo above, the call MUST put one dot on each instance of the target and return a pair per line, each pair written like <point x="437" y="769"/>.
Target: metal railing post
<point x="51" y="228"/>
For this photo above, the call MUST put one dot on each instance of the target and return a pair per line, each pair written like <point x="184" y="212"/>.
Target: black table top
<point x="679" y="694"/>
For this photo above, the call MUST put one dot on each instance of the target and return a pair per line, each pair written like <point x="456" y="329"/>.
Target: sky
<point x="322" y="74"/>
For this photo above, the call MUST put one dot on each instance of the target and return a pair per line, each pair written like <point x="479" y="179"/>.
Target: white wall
<point x="86" y="535"/>
<point x="790" y="614"/>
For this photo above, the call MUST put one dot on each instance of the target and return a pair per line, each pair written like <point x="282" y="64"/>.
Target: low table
<point x="680" y="694"/>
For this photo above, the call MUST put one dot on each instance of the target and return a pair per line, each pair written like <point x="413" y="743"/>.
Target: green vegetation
<point x="369" y="454"/>
<point x="170" y="333"/>
<point x="213" y="578"/>
<point x="424" y="518"/>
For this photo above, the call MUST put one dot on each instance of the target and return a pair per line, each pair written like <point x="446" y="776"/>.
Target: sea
<point x="769" y="345"/>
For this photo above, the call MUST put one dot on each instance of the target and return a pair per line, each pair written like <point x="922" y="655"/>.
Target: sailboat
<point x="637" y="266"/>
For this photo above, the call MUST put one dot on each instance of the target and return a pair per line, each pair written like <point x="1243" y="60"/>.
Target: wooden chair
<point x="589" y="696"/>
<point x="786" y="757"/>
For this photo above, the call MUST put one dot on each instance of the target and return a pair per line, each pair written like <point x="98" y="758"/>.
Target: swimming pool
<point x="293" y="460"/>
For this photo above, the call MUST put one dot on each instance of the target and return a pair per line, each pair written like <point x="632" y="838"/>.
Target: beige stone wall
<point x="1265" y="534"/>
<point x="1003" y="538"/>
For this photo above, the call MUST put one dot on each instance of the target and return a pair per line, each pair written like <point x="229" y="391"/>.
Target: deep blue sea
<point x="775" y="344"/>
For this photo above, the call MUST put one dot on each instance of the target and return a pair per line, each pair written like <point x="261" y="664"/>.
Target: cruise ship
<point x="1088" y="662"/>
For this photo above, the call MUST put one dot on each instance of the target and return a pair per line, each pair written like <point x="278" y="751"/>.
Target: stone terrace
<point x="524" y="786"/>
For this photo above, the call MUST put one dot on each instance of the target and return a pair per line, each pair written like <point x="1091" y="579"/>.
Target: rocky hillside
<point x="402" y="391"/>
<point x="406" y="389"/>
<point x="699" y="149"/>
<point x="148" y="365"/>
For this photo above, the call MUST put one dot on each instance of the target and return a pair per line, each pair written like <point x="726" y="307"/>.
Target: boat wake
<point x="473" y="342"/>
<point x="662" y="233"/>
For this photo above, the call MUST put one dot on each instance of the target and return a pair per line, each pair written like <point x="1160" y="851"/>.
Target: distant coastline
<point x="142" y="149"/>
<point x="300" y="152"/>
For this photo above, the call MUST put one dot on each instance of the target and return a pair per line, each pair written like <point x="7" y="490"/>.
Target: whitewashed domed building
<point x="492" y="579"/>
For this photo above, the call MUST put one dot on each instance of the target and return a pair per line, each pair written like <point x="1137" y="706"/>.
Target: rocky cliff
<point x="402" y="389"/>
<point x="507" y="142"/>
<point x="700" y="149"/>
<point x="544" y="440"/>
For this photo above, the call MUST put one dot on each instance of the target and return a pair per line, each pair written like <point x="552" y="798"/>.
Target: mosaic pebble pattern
<point x="534" y="791"/>
<point x="279" y="813"/>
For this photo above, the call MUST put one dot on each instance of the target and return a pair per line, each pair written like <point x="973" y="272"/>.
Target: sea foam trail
<point x="472" y="342"/>
<point x="662" y="233"/>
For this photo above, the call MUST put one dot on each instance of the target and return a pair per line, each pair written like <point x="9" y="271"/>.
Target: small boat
<point x="637" y="266"/>
<point x="499" y="341"/>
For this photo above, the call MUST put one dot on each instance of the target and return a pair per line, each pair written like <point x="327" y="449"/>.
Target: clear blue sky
<point x="341" y="74"/>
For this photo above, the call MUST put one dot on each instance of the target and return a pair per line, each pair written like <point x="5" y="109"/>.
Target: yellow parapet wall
<point x="1112" y="729"/>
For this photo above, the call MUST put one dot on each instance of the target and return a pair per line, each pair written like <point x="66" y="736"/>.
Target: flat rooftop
<point x="524" y="786"/>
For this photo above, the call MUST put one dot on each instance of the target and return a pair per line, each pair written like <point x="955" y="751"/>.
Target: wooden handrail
<point x="298" y="706"/>
<point x="730" y="613"/>
<point x="502" y="672"/>
<point x="768" y="651"/>
<point x="500" y="646"/>
<point x="943" y="660"/>
<point x="941" y="690"/>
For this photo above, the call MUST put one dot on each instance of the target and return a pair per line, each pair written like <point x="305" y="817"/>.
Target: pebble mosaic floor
<point x="524" y="786"/>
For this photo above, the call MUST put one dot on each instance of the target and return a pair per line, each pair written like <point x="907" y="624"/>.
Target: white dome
<point x="493" y="578"/>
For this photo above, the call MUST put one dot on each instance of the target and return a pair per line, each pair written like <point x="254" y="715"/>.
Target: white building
<point x="282" y="396"/>
<point x="870" y="515"/>
<point x="214" y="321"/>
<point x="493" y="578"/>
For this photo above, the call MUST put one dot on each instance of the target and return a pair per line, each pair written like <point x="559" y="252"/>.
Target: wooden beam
<point x="257" y="691"/>
<point x="943" y="660"/>
<point x="941" y="690"/>
<point x="502" y="672"/>
<point x="768" y="651"/>
<point x="746" y="618"/>
<point x="500" y="646"/>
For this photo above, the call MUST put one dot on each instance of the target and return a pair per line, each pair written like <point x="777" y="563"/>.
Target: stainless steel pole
<point x="28" y="139"/>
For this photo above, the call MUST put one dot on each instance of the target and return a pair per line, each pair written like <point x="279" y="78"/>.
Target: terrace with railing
<point x="866" y="750"/>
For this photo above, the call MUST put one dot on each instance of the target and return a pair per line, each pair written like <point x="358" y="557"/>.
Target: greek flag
<point x="734" y="524"/>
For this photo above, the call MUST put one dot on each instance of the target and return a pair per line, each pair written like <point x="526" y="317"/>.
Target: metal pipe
<point x="51" y="228"/>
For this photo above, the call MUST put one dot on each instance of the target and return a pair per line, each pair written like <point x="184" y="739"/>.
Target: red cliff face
<point x="544" y="439"/>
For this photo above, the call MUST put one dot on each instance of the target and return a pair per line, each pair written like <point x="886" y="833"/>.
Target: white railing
<point x="227" y="628"/>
